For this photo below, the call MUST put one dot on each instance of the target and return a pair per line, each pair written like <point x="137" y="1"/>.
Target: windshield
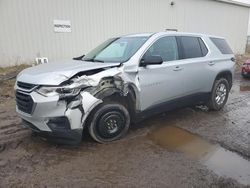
<point x="116" y="49"/>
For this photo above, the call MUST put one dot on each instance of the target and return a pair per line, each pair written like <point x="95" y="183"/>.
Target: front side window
<point x="166" y="47"/>
<point x="116" y="50"/>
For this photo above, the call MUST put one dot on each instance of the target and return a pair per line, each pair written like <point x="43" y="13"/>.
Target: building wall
<point x="27" y="29"/>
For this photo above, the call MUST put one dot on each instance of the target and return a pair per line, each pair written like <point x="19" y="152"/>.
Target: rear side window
<point x="192" y="47"/>
<point x="222" y="45"/>
<point x="204" y="49"/>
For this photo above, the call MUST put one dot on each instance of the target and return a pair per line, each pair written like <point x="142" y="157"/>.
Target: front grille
<point x="24" y="102"/>
<point x="26" y="86"/>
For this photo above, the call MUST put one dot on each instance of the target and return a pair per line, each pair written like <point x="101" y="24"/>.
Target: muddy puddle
<point x="221" y="161"/>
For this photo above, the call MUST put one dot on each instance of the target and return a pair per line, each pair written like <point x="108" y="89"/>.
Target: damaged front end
<point x="60" y="113"/>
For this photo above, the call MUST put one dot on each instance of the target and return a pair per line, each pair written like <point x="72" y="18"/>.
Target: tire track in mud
<point x="11" y="131"/>
<point x="236" y="103"/>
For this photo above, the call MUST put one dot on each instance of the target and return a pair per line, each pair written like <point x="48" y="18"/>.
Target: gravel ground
<point x="135" y="161"/>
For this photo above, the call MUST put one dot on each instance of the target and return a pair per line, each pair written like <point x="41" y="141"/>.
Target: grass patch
<point x="11" y="69"/>
<point x="7" y="81"/>
<point x="7" y="90"/>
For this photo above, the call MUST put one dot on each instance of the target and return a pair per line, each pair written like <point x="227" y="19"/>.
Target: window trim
<point x="200" y="40"/>
<point x="207" y="46"/>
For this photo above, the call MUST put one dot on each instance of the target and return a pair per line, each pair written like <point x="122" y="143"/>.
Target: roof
<point x="170" y="33"/>
<point x="138" y="35"/>
<point x="187" y="34"/>
<point x="234" y="3"/>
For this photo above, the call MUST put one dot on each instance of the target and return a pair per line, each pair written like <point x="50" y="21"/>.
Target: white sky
<point x="243" y="1"/>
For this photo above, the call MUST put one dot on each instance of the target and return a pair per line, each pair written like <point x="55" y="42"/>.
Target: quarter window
<point x="166" y="47"/>
<point x="222" y="45"/>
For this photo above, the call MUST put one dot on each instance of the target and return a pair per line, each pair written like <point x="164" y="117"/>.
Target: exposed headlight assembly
<point x="62" y="91"/>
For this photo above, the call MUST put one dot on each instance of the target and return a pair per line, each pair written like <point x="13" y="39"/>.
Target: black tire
<point x="217" y="102"/>
<point x="109" y="122"/>
<point x="244" y="76"/>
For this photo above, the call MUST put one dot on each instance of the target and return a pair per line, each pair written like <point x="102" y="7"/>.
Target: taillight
<point x="246" y="65"/>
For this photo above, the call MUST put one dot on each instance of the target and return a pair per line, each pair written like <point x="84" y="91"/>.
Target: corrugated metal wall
<point x="27" y="29"/>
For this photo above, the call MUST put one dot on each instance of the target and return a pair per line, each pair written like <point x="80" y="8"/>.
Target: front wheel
<point x="219" y="94"/>
<point x="109" y="122"/>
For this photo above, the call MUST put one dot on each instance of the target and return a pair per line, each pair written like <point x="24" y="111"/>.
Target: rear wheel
<point x="109" y="122"/>
<point x="219" y="94"/>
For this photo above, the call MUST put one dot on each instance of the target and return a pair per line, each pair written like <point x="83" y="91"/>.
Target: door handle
<point x="177" y="68"/>
<point x="211" y="63"/>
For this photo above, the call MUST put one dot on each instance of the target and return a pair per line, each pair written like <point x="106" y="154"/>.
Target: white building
<point x="28" y="27"/>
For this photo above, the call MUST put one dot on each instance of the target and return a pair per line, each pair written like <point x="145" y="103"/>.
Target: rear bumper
<point x="245" y="73"/>
<point x="63" y="136"/>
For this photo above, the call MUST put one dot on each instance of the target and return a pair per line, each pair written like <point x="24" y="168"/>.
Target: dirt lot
<point x="190" y="147"/>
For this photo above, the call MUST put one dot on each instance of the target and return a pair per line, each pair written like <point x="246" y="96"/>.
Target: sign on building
<point x="62" y="26"/>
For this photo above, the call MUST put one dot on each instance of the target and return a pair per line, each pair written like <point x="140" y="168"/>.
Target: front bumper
<point x="46" y="108"/>
<point x="70" y="137"/>
<point x="47" y="114"/>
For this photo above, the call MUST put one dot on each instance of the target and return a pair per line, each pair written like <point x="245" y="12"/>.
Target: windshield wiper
<point x="78" y="58"/>
<point x="93" y="60"/>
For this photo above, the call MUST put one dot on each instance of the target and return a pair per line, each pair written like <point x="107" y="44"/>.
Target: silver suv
<point x="124" y="80"/>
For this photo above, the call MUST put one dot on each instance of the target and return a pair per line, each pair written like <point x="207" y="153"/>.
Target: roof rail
<point x="176" y="30"/>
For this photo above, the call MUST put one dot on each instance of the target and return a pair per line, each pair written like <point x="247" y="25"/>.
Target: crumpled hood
<point x="54" y="73"/>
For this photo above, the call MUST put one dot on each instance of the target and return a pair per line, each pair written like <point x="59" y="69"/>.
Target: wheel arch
<point x="128" y="99"/>
<point x="227" y="74"/>
<point x="127" y="96"/>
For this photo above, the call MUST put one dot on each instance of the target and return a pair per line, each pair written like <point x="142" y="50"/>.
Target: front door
<point x="161" y="83"/>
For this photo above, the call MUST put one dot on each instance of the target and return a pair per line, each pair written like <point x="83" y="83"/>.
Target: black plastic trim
<point x="59" y="123"/>
<point x="68" y="137"/>
<point x="190" y="100"/>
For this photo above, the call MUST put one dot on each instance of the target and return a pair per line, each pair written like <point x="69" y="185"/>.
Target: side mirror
<point x="151" y="60"/>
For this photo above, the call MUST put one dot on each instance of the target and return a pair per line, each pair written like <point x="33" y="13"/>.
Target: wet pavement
<point x="219" y="160"/>
<point x="189" y="147"/>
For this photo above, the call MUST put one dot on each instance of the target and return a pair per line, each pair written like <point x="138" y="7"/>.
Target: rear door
<point x="194" y="63"/>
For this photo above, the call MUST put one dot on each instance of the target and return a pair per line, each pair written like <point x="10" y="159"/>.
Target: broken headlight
<point x="62" y="91"/>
